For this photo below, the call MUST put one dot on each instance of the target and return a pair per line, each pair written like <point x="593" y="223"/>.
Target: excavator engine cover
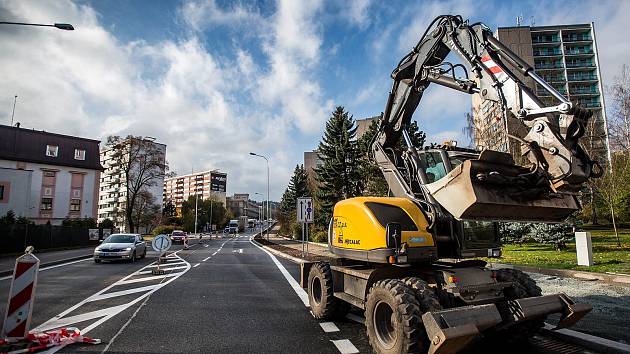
<point x="358" y="231"/>
<point x="492" y="187"/>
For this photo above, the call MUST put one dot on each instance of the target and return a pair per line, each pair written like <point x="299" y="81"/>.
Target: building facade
<point x="566" y="56"/>
<point x="240" y="205"/>
<point x="112" y="198"/>
<point x="204" y="184"/>
<point x="48" y="177"/>
<point x="363" y="125"/>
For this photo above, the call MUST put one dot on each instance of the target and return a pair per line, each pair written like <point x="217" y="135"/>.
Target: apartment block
<point x="48" y="177"/>
<point x="206" y="184"/>
<point x="113" y="190"/>
<point x="566" y="56"/>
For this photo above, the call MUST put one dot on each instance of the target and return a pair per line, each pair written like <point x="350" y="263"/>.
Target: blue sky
<point x="216" y="79"/>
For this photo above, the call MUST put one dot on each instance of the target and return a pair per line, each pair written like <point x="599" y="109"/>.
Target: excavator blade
<point x="492" y="187"/>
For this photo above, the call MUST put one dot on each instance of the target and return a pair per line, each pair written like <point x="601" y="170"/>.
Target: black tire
<point x="393" y="318"/>
<point x="523" y="287"/>
<point x="133" y="257"/>
<point x="426" y="296"/>
<point x="320" y="294"/>
<point x="97" y="261"/>
<point x="144" y="254"/>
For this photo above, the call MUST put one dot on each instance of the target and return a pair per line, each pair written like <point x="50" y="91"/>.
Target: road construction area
<point x="221" y="295"/>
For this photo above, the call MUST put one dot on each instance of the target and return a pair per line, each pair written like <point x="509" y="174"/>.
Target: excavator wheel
<point x="320" y="294"/>
<point x="393" y="318"/>
<point x="523" y="287"/>
<point x="427" y="299"/>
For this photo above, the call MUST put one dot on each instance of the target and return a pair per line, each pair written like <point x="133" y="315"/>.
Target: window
<point x="75" y="205"/>
<point x="386" y="213"/>
<point x="52" y="150"/>
<point x="46" y="204"/>
<point x="1" y="192"/>
<point x="79" y="154"/>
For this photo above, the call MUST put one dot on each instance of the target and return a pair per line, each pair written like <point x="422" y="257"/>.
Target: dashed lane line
<point x="329" y="327"/>
<point x="345" y="346"/>
<point x="205" y="259"/>
<point x="196" y="265"/>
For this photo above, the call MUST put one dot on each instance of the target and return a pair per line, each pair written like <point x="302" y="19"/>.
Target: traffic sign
<point x="161" y="243"/>
<point x="305" y="210"/>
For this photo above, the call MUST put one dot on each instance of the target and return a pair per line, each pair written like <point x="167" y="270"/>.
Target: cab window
<point x="433" y="165"/>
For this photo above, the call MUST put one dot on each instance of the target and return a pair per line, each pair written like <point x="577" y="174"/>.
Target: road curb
<point x="52" y="263"/>
<point x="280" y="253"/>
<point x="598" y="344"/>
<point x="611" y="279"/>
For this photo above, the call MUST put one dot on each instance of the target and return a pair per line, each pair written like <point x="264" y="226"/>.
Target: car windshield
<point x="178" y="233"/>
<point x="120" y="239"/>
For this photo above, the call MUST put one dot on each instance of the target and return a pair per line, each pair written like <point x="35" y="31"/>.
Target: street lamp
<point x="266" y="159"/>
<point x="61" y="26"/>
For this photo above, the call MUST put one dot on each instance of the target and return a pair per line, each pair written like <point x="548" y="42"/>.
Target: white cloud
<point x="356" y="12"/>
<point x="206" y="13"/>
<point x="87" y="83"/>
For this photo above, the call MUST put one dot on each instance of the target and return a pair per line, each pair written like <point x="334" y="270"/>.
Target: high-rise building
<point x="240" y="205"/>
<point x="566" y="56"/>
<point x="113" y="190"/>
<point x="48" y="177"/>
<point x="363" y="125"/>
<point x="204" y="184"/>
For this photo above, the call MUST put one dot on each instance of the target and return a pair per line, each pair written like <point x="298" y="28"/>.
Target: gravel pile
<point x="610" y="317"/>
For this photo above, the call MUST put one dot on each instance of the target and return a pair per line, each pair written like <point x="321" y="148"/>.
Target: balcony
<point x="545" y="39"/>
<point x="577" y="38"/>
<point x="578" y="51"/>
<point x="582" y="78"/>
<point x="548" y="66"/>
<point x="584" y="91"/>
<point x="581" y="64"/>
<point x="547" y="53"/>
<point x="552" y="79"/>
<point x="543" y="93"/>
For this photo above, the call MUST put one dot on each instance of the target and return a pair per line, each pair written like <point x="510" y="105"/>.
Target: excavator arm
<point x="543" y="191"/>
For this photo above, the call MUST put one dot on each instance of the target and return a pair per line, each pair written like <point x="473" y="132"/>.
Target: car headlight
<point x="128" y="249"/>
<point x="97" y="249"/>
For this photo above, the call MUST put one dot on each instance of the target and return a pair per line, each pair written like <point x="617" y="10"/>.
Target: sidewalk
<point x="47" y="258"/>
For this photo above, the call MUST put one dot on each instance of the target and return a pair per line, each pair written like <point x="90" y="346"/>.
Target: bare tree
<point x="142" y="164"/>
<point x="619" y="119"/>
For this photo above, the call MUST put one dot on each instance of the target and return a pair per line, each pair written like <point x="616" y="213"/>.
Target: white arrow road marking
<point x="105" y="314"/>
<point x="240" y="250"/>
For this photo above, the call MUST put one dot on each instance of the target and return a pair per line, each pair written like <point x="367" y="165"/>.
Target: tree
<point x="219" y="213"/>
<point x="169" y="209"/>
<point x="106" y="224"/>
<point x="146" y="212"/>
<point x="298" y="187"/>
<point x="8" y="218"/>
<point x="514" y="232"/>
<point x="141" y="165"/>
<point x="87" y="223"/>
<point x="339" y="175"/>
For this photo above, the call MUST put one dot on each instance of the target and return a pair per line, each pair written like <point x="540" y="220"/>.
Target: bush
<point x="163" y="229"/>
<point x="319" y="236"/>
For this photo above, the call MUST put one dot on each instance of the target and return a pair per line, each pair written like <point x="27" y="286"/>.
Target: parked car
<point x="121" y="246"/>
<point x="178" y="236"/>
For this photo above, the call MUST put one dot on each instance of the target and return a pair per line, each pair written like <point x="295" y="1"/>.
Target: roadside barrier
<point x="15" y="337"/>
<point x="17" y="317"/>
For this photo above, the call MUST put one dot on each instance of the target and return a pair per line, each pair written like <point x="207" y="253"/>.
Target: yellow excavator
<point x="411" y="261"/>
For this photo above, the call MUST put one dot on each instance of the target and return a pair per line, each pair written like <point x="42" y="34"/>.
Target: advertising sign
<point x="218" y="181"/>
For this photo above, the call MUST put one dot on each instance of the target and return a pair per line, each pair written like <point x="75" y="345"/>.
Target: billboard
<point x="218" y="181"/>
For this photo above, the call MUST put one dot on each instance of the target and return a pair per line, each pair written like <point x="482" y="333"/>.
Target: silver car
<point x="121" y="246"/>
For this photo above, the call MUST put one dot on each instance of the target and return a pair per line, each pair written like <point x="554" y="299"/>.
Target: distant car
<point x="121" y="246"/>
<point x="178" y="236"/>
<point x="226" y="230"/>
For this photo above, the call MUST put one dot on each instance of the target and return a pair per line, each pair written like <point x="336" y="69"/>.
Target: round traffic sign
<point x="161" y="243"/>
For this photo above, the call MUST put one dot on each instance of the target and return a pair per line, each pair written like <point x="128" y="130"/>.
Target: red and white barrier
<point x="17" y="318"/>
<point x="35" y="342"/>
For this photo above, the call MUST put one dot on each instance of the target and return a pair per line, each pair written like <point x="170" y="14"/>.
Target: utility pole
<point x="13" y="114"/>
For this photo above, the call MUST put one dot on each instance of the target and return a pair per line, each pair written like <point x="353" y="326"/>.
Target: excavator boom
<point x="486" y="186"/>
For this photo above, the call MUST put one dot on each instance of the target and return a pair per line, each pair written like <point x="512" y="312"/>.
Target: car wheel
<point x="133" y="257"/>
<point x="144" y="254"/>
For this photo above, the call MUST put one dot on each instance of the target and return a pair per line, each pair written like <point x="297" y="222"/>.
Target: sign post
<point x="305" y="213"/>
<point x="161" y="244"/>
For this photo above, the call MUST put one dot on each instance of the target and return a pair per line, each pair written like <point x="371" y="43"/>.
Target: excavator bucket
<point x="492" y="187"/>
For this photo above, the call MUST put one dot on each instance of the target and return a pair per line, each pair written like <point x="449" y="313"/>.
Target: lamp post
<point x="266" y="159"/>
<point x="61" y="26"/>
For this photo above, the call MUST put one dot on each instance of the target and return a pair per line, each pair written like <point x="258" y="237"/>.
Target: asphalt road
<point x="223" y="296"/>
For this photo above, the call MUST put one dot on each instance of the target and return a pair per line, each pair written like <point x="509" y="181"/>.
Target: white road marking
<point x="206" y="246"/>
<point x="51" y="267"/>
<point x="205" y="259"/>
<point x="345" y="346"/>
<point x="155" y="277"/>
<point x="105" y="314"/>
<point x="294" y="284"/>
<point x="196" y="265"/>
<point x="123" y="292"/>
<point x="240" y="250"/>
<point x="329" y="327"/>
<point x="135" y="313"/>
<point x="164" y="268"/>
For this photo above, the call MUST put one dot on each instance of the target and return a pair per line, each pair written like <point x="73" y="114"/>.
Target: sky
<point x="215" y="80"/>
